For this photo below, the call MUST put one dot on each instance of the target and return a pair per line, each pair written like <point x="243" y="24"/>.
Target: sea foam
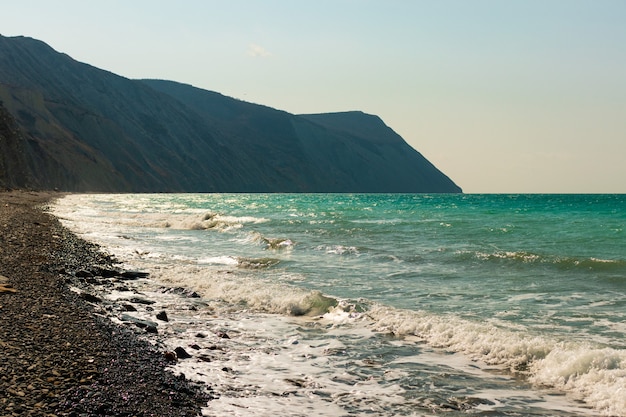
<point x="589" y="373"/>
<point x="249" y="288"/>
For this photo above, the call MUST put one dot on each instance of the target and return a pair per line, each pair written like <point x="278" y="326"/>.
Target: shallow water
<point x="383" y="304"/>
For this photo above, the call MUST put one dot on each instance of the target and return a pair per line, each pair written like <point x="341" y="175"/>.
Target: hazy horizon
<point x="503" y="97"/>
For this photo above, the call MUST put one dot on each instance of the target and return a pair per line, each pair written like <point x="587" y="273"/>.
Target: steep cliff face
<point x="80" y="128"/>
<point x="43" y="154"/>
<point x="333" y="152"/>
<point x="12" y="162"/>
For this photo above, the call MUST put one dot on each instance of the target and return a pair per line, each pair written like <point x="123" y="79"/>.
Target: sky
<point x="503" y="96"/>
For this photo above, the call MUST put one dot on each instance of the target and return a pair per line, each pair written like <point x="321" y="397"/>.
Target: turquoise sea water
<point x="388" y="304"/>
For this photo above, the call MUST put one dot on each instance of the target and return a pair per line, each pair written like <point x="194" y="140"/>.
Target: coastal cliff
<point x="74" y="127"/>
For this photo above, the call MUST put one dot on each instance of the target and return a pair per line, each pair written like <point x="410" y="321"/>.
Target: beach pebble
<point x="181" y="353"/>
<point x="60" y="354"/>
<point x="143" y="324"/>
<point x="137" y="300"/>
<point x="134" y="275"/>
<point x="162" y="315"/>
<point x="90" y="297"/>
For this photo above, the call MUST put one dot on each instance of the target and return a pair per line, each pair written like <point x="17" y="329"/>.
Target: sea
<point x="378" y="304"/>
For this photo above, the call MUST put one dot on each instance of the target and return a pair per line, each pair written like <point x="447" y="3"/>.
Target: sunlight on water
<point x="382" y="304"/>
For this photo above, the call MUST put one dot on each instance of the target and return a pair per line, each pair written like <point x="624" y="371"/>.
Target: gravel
<point x="59" y="356"/>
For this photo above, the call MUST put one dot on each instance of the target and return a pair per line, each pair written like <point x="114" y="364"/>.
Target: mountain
<point x="71" y="126"/>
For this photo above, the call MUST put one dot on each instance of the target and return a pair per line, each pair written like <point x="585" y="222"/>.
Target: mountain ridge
<point x="80" y="128"/>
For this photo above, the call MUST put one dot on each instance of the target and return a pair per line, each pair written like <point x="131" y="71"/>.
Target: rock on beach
<point x="59" y="357"/>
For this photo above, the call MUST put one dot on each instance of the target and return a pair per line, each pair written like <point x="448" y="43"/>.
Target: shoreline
<point x="60" y="357"/>
<point x="228" y="354"/>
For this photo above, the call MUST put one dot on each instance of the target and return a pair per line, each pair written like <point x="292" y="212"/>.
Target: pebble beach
<point x="59" y="356"/>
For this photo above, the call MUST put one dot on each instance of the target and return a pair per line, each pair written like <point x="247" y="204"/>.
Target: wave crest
<point x="314" y="304"/>
<point x="535" y="258"/>
<point x="592" y="374"/>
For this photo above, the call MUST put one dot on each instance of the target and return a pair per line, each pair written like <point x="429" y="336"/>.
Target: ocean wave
<point x="257" y="263"/>
<point x="338" y="249"/>
<point x="68" y="208"/>
<point x="218" y="260"/>
<point x="535" y="258"/>
<point x="271" y="243"/>
<point x="488" y="344"/>
<point x="209" y="221"/>
<point x="278" y="243"/>
<point x="185" y="221"/>
<point x="593" y="373"/>
<point x="520" y="256"/>
<point x="590" y="263"/>
<point x="596" y="375"/>
<point x="242" y="291"/>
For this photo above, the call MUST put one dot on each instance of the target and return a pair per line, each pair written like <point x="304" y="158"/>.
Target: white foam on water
<point x="269" y="363"/>
<point x="267" y="366"/>
<point x="338" y="249"/>
<point x="218" y="260"/>
<point x="244" y="290"/>
<point x="497" y="398"/>
<point x="271" y="371"/>
<point x="261" y="364"/>
<point x="126" y="211"/>
<point x="594" y="375"/>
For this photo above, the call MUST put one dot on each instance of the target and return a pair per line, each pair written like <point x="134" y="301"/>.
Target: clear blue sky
<point x="501" y="95"/>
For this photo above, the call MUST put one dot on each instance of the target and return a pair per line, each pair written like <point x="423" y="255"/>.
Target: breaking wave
<point x="595" y="374"/>
<point x="242" y="291"/>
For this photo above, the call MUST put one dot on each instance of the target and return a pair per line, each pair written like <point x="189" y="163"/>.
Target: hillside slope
<point x="79" y="128"/>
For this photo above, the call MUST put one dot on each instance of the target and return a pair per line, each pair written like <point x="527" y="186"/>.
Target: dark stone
<point x="162" y="315"/>
<point x="222" y="335"/>
<point x="90" y="297"/>
<point x="83" y="274"/>
<point x="105" y="272"/>
<point x="137" y="300"/>
<point x="182" y="353"/>
<point x="130" y="275"/>
<point x="104" y="409"/>
<point x="128" y="307"/>
<point x="142" y="324"/>
<point x="64" y="356"/>
<point x="184" y="292"/>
